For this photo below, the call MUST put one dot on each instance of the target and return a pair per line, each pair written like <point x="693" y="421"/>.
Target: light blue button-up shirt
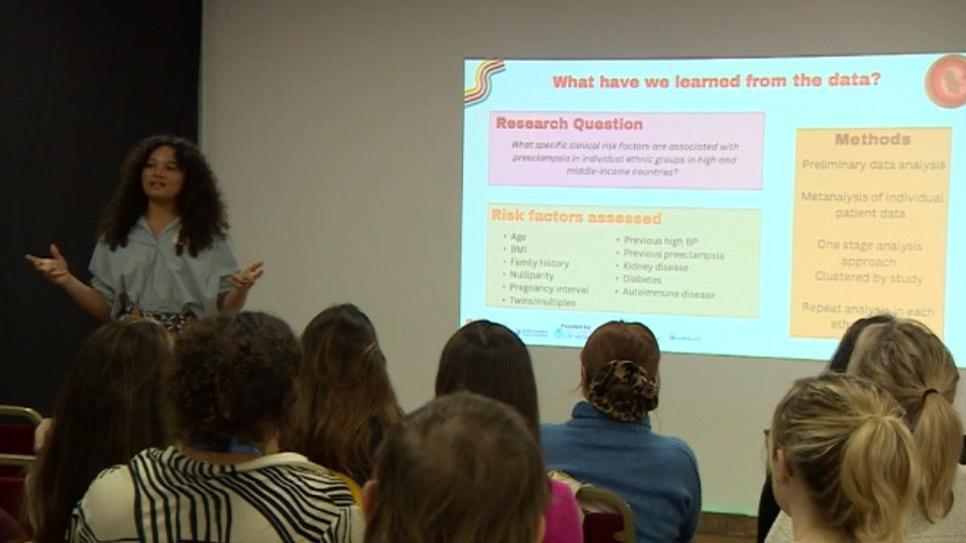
<point x="149" y="275"/>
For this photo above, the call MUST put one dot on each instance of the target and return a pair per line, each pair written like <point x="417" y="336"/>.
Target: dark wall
<point x="81" y="83"/>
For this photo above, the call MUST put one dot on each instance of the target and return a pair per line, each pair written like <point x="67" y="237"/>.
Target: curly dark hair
<point x="233" y="378"/>
<point x="200" y="206"/>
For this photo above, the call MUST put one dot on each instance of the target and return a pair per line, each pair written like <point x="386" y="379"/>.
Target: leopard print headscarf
<point x="637" y="396"/>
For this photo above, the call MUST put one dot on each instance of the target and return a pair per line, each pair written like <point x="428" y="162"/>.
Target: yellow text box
<point x="668" y="261"/>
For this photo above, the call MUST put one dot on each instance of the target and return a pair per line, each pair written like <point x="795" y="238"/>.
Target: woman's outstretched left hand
<point x="247" y="277"/>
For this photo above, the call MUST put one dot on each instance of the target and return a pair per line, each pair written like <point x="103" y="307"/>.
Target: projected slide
<point x="750" y="207"/>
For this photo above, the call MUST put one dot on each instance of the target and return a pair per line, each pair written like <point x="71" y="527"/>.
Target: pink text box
<point x="718" y="151"/>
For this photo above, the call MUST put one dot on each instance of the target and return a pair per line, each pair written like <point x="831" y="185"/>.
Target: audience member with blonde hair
<point x="843" y="462"/>
<point x="463" y="468"/>
<point x="768" y="509"/>
<point x="911" y="363"/>
<point x="608" y="442"/>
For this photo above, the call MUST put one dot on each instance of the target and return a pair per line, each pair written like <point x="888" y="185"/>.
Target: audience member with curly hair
<point x="163" y="250"/>
<point x="230" y="390"/>
<point x="108" y="409"/>
<point x="608" y="442"/>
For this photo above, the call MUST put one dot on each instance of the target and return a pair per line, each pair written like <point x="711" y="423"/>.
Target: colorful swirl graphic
<point x="482" y="87"/>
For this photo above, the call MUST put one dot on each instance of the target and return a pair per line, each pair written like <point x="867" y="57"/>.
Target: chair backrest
<point x="607" y="517"/>
<point x="16" y="455"/>
<point x="20" y="412"/>
<point x="17" y="440"/>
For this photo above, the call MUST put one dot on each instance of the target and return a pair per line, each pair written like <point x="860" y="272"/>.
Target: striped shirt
<point x="163" y="496"/>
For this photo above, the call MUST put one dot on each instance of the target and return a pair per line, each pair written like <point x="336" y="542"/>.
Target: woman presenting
<point x="163" y="251"/>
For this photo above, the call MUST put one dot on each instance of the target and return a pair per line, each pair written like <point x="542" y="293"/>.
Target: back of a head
<point x="488" y="359"/>
<point x="233" y="378"/>
<point x="845" y="438"/>
<point x="115" y="382"/>
<point x="620" y="369"/>
<point x="840" y="359"/>
<point x="335" y="341"/>
<point x="345" y="390"/>
<point x="462" y="468"/>
<point x="911" y="363"/>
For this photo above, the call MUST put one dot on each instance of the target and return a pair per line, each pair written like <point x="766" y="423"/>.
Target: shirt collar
<point x="143" y="223"/>
<point x="584" y="410"/>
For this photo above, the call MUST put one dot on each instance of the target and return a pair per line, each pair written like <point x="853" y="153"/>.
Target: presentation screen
<point x="751" y="207"/>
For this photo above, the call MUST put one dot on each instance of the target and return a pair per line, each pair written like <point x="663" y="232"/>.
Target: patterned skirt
<point x="173" y="323"/>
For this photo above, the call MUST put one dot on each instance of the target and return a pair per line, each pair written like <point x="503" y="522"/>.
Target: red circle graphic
<point x="946" y="81"/>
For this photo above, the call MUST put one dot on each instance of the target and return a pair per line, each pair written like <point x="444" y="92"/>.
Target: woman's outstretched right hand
<point x="54" y="268"/>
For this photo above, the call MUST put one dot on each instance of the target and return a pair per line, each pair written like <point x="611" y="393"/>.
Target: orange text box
<point x="870" y="227"/>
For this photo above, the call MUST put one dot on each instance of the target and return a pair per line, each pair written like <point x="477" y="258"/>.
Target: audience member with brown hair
<point x="608" y="442"/>
<point x="911" y="363"/>
<point x="346" y="399"/>
<point x="108" y="409"/>
<point x="843" y="462"/>
<point x="487" y="358"/>
<point x="463" y="468"/>
<point x="230" y="390"/>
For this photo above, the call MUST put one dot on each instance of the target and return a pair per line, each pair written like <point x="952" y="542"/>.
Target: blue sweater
<point x="657" y="475"/>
